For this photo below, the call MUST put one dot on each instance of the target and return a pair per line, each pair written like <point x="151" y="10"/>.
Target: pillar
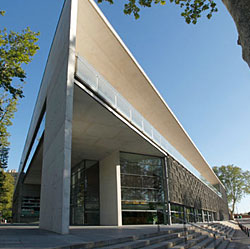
<point x="56" y="169"/>
<point x="110" y="190"/>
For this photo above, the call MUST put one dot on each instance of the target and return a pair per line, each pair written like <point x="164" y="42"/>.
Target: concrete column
<point x="203" y="217"/>
<point x="110" y="190"/>
<point x="166" y="191"/>
<point x="195" y="215"/>
<point x="56" y="170"/>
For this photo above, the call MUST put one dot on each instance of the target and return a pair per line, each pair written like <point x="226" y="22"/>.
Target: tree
<point x="6" y="196"/>
<point x="16" y="49"/>
<point x="236" y="182"/>
<point x="193" y="9"/>
<point x="240" y="12"/>
<point x="7" y="110"/>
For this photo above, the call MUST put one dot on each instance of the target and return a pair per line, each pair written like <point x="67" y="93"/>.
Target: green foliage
<point x="6" y="195"/>
<point x="2" y="177"/>
<point x="236" y="182"/>
<point x="192" y="9"/>
<point x="4" y="155"/>
<point x="16" y="49"/>
<point x="7" y="109"/>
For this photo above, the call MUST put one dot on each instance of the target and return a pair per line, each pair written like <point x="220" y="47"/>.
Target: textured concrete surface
<point x="56" y="170"/>
<point x="30" y="236"/>
<point x="240" y="241"/>
<point x="245" y="222"/>
<point x="101" y="46"/>
<point x="110" y="190"/>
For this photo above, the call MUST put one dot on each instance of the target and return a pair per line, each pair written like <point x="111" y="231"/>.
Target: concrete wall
<point x="186" y="189"/>
<point x="56" y="171"/>
<point x="110" y="190"/>
<point x="100" y="45"/>
<point x="28" y="190"/>
<point x="17" y="200"/>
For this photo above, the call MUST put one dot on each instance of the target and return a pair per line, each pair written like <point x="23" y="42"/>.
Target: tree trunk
<point x="233" y="206"/>
<point x="240" y="11"/>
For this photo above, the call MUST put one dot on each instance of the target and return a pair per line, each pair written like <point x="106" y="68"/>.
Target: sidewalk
<point x="240" y="240"/>
<point x="30" y="236"/>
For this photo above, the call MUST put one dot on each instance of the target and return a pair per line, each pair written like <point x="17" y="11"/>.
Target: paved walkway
<point x="240" y="239"/>
<point x="30" y="236"/>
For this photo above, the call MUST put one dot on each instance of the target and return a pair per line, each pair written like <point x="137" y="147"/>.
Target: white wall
<point x="110" y="190"/>
<point x="56" y="170"/>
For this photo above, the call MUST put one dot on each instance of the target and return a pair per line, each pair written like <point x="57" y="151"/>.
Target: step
<point x="194" y="243"/>
<point x="223" y="229"/>
<point x="166" y="244"/>
<point x="143" y="241"/>
<point x="204" y="243"/>
<point x="110" y="242"/>
<point x="171" y="243"/>
<point x="224" y="244"/>
<point x="216" y="244"/>
<point x="231" y="233"/>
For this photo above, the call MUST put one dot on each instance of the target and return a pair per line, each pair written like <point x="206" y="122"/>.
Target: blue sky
<point x="198" y="70"/>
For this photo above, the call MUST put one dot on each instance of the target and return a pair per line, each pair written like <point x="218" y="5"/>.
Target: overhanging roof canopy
<point x="100" y="45"/>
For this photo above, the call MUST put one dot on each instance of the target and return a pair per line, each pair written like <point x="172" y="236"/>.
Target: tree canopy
<point x="236" y="182"/>
<point x="6" y="196"/>
<point x="192" y="9"/>
<point x="16" y="50"/>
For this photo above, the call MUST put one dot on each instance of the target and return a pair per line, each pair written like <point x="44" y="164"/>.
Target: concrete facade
<point x="97" y="102"/>
<point x="55" y="191"/>
<point x="110" y="191"/>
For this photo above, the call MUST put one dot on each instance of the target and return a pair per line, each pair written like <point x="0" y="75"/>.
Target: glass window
<point x="141" y="188"/>
<point x="84" y="197"/>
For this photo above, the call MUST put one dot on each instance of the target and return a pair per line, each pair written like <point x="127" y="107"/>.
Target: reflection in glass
<point x="84" y="198"/>
<point x="141" y="188"/>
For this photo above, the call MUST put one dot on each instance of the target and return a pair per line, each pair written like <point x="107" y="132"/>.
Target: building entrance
<point x="142" y="189"/>
<point x="84" y="197"/>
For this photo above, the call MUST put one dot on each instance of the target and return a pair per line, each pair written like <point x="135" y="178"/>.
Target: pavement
<point x="245" y="222"/>
<point x="240" y="240"/>
<point x="31" y="237"/>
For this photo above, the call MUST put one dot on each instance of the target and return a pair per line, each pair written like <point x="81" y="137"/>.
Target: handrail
<point x="184" y="221"/>
<point x="194" y="225"/>
<point x="245" y="229"/>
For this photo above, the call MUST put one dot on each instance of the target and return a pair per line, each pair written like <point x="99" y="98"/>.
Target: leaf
<point x="193" y="10"/>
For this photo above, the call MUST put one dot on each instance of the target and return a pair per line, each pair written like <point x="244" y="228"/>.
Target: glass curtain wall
<point x="177" y="213"/>
<point x="192" y="214"/>
<point x="84" y="198"/>
<point x="142" y="189"/>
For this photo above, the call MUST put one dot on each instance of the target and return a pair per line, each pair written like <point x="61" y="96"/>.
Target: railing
<point x="245" y="229"/>
<point x="185" y="222"/>
<point x="96" y="82"/>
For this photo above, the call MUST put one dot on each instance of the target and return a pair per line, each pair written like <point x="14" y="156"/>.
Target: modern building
<point x="103" y="146"/>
